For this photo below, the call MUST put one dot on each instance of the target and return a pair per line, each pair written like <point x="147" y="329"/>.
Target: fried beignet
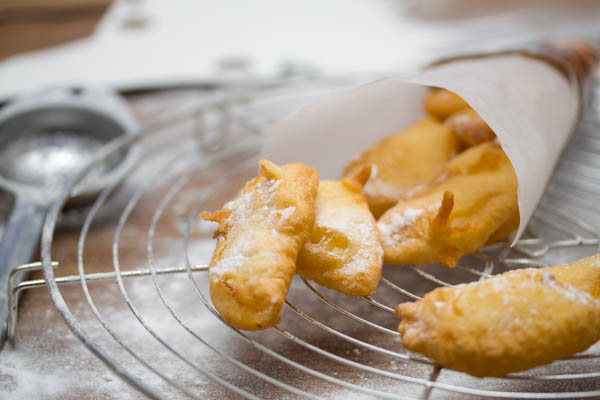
<point x="471" y="203"/>
<point x="259" y="236"/>
<point x="469" y="127"/>
<point x="404" y="162"/>
<point x="441" y="103"/>
<point x="508" y="323"/>
<point x="583" y="274"/>
<point x="344" y="252"/>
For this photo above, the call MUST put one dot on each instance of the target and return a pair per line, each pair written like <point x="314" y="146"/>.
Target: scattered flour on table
<point x="55" y="365"/>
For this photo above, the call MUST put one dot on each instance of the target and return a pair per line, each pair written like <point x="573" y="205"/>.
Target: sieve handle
<point x="20" y="239"/>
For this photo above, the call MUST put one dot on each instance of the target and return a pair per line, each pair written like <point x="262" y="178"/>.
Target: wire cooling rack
<point x="327" y="345"/>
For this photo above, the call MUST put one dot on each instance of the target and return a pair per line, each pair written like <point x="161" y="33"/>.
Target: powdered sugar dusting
<point x="567" y="291"/>
<point x="55" y="365"/>
<point x="434" y="207"/>
<point x="285" y="214"/>
<point x="20" y="381"/>
<point x="501" y="283"/>
<point x="374" y="171"/>
<point x="262" y="193"/>
<point x="243" y="213"/>
<point x="363" y="259"/>
<point x="236" y="255"/>
<point x="389" y="231"/>
<point x="378" y="187"/>
<point x="461" y="119"/>
<point x="355" y="224"/>
<point x="412" y="192"/>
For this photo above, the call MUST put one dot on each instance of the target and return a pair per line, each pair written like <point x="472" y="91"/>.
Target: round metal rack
<point x="327" y="345"/>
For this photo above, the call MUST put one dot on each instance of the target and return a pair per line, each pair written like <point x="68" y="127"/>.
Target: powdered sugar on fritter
<point x="567" y="291"/>
<point x="262" y="193"/>
<point x="378" y="187"/>
<point x="409" y="194"/>
<point x="534" y="277"/>
<point x="389" y="231"/>
<point x="244" y="212"/>
<point x="354" y="224"/>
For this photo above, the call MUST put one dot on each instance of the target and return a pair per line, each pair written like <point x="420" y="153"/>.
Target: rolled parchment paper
<point x="530" y="98"/>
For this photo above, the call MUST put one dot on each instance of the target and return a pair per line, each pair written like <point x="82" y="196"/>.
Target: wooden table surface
<point x="48" y="362"/>
<point x="27" y="25"/>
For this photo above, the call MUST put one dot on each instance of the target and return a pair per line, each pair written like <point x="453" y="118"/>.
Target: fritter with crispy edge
<point x="469" y="127"/>
<point x="259" y="236"/>
<point x="441" y="103"/>
<point x="507" y="323"/>
<point x="473" y="202"/>
<point x="344" y="252"/>
<point x="404" y="162"/>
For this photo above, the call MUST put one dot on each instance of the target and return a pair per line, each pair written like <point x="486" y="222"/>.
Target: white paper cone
<point x="529" y="104"/>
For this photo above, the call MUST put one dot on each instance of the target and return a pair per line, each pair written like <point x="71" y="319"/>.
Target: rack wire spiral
<point x="327" y="345"/>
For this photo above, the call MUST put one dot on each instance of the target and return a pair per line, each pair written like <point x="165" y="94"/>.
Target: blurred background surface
<point x="34" y="24"/>
<point x="138" y="44"/>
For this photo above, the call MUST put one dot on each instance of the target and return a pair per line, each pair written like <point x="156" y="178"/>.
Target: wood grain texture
<point x="34" y="24"/>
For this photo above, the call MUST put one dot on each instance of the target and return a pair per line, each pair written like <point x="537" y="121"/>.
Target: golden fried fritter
<point x="259" y="236"/>
<point x="583" y="274"/>
<point x="507" y="323"/>
<point x="473" y="202"/>
<point x="469" y="127"/>
<point x="441" y="103"/>
<point x="344" y="252"/>
<point x="404" y="162"/>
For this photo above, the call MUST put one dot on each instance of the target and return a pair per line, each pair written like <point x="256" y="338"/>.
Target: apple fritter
<point x="441" y="103"/>
<point x="404" y="162"/>
<point x="344" y="252"/>
<point x="473" y="202"/>
<point x="259" y="236"/>
<point x="507" y="323"/>
<point x="469" y="127"/>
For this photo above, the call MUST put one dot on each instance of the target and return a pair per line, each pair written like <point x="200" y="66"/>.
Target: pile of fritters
<point x="440" y="189"/>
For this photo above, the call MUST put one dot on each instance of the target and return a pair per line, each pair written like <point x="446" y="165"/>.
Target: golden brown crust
<point x="469" y="127"/>
<point x="441" y="103"/>
<point x="584" y="274"/>
<point x="473" y="201"/>
<point x="404" y="162"/>
<point x="508" y="323"/>
<point x="344" y="252"/>
<point x="258" y="239"/>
